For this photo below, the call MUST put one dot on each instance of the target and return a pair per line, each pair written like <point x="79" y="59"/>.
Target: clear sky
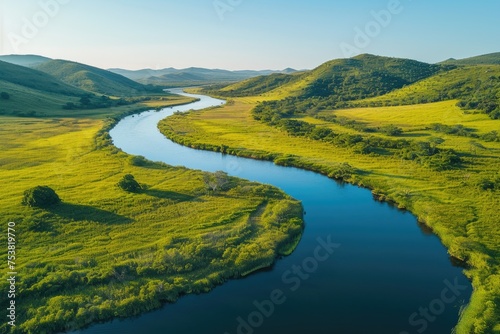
<point x="246" y="34"/>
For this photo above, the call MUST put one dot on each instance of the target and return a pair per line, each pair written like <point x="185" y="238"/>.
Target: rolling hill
<point x="466" y="83"/>
<point x="92" y="79"/>
<point x="34" y="79"/>
<point x="341" y="79"/>
<point x="368" y="80"/>
<point x="31" y="92"/>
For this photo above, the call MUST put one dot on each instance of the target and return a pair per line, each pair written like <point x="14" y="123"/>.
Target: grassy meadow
<point x="105" y="253"/>
<point x="454" y="202"/>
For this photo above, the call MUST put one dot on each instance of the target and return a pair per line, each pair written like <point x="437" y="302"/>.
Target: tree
<point x="4" y="95"/>
<point x="216" y="181"/>
<point x="128" y="183"/>
<point x="221" y="179"/>
<point x="138" y="160"/>
<point x="40" y="197"/>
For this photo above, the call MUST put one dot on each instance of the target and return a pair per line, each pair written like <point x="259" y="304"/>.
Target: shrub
<point x="138" y="160"/>
<point x="4" y="95"/>
<point x="486" y="184"/>
<point x="391" y="130"/>
<point x="40" y="197"/>
<point x="128" y="183"/>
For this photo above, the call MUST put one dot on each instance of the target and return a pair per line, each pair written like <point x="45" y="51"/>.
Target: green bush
<point x="138" y="160"/>
<point x="391" y="130"/>
<point x="128" y="183"/>
<point x="40" y="197"/>
<point x="4" y="95"/>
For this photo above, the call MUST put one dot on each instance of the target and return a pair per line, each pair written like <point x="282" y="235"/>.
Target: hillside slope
<point x="92" y="79"/>
<point x="477" y="87"/>
<point x="355" y="78"/>
<point x="34" y="79"/>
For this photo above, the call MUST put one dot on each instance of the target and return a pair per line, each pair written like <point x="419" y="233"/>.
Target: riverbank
<point x="104" y="253"/>
<point x="460" y="213"/>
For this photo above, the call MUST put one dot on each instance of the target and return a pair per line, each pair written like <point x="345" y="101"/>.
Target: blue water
<point x="381" y="272"/>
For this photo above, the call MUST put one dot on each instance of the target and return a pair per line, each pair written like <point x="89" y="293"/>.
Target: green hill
<point x="368" y="80"/>
<point x="30" y="78"/>
<point x="477" y="87"/>
<point x="92" y="79"/>
<point x="340" y="80"/>
<point x="488" y="59"/>
<point x="28" y="92"/>
<point x="256" y="86"/>
<point x="364" y="75"/>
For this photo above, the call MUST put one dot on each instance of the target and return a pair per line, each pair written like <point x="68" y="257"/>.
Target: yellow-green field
<point x="462" y="214"/>
<point x="104" y="253"/>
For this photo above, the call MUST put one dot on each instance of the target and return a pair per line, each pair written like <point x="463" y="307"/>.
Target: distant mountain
<point x="25" y="60"/>
<point x="92" y="79"/>
<point x="488" y="59"/>
<point x="170" y="77"/>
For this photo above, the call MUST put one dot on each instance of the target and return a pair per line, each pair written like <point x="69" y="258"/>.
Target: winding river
<point x="361" y="267"/>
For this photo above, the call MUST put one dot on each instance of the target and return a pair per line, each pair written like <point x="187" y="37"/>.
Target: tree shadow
<point x="78" y="212"/>
<point x="172" y="195"/>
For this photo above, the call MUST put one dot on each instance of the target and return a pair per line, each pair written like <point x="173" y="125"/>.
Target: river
<point x="361" y="267"/>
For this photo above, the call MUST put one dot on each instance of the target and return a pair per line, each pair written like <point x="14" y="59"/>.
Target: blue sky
<point x="246" y="34"/>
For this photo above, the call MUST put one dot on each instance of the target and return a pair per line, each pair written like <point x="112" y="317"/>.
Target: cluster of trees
<point x="425" y="153"/>
<point x="252" y="87"/>
<point x="391" y="130"/>
<point x="90" y="101"/>
<point x="492" y="136"/>
<point x="485" y="97"/>
<point x="489" y="183"/>
<point x="457" y="130"/>
<point x="429" y="155"/>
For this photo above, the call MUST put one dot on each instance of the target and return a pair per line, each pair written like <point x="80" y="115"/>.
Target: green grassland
<point x="105" y="253"/>
<point x="452" y="201"/>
